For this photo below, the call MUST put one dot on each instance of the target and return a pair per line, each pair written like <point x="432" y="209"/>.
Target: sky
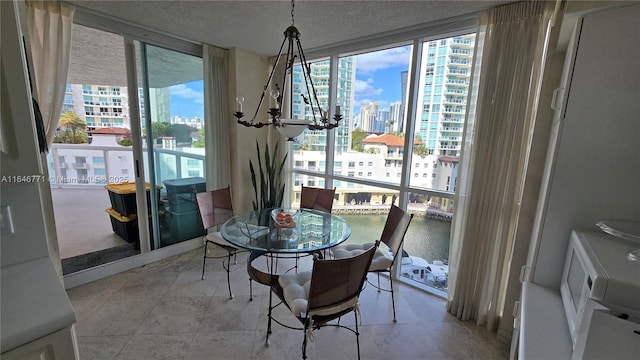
<point x="187" y="100"/>
<point x="377" y="79"/>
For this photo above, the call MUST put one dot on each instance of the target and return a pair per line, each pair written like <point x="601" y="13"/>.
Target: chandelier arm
<point x="266" y="86"/>
<point x="309" y="84"/>
<point x="288" y="65"/>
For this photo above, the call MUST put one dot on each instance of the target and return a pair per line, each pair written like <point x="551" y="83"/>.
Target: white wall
<point x="247" y="75"/>
<point x="596" y="174"/>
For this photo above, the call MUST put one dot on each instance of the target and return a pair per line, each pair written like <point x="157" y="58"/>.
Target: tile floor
<point x="82" y="224"/>
<point x="164" y="311"/>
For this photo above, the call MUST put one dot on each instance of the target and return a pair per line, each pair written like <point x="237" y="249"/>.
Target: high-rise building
<point x="442" y="98"/>
<point x="369" y="117"/>
<point x="384" y="118"/>
<point x="99" y="105"/>
<point x="103" y="106"/>
<point x="316" y="140"/>
<point x="395" y="115"/>
<point x="404" y="78"/>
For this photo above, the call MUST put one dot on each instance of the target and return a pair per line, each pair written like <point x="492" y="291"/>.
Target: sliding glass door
<point x="171" y="101"/>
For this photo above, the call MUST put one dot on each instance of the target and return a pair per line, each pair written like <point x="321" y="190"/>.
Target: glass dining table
<point x="267" y="233"/>
<point x="279" y="233"/>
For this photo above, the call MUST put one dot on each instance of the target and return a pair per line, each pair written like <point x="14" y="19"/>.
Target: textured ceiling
<point x="257" y="26"/>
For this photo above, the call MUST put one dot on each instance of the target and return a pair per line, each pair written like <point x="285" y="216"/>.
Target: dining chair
<point x="317" y="198"/>
<point x="392" y="236"/>
<point x="330" y="290"/>
<point x="215" y="208"/>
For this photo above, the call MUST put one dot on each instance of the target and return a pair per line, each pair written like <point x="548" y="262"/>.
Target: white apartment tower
<point x="396" y="115"/>
<point x="445" y="73"/>
<point x="320" y="71"/>
<point x="101" y="106"/>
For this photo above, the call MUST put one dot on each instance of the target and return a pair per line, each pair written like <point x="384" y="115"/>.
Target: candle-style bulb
<point x="239" y="100"/>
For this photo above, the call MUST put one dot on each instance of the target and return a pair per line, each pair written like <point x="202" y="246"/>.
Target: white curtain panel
<point x="49" y="25"/>
<point x="511" y="40"/>
<point x="216" y="128"/>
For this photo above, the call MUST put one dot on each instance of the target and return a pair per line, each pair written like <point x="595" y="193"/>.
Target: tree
<point x="356" y="140"/>
<point x="389" y="125"/>
<point x="200" y="142"/>
<point x="160" y="129"/>
<point x="75" y="128"/>
<point x="421" y="150"/>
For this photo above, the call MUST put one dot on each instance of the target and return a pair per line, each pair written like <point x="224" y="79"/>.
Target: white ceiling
<point x="257" y="26"/>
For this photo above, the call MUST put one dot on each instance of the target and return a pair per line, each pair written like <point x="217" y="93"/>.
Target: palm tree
<point x="71" y="121"/>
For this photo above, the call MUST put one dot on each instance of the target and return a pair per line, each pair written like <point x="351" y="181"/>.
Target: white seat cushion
<point x="295" y="288"/>
<point x="296" y="291"/>
<point x="382" y="259"/>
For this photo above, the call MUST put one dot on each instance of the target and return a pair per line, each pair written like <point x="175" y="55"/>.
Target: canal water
<point x="426" y="238"/>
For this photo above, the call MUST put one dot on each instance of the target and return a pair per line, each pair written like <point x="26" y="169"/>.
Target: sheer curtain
<point x="49" y="24"/>
<point x="217" y="148"/>
<point x="512" y="42"/>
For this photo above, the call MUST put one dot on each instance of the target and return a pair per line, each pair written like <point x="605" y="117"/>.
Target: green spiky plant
<point x="270" y="191"/>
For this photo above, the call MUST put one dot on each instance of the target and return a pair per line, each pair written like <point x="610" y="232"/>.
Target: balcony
<point x="84" y="166"/>
<point x="85" y="234"/>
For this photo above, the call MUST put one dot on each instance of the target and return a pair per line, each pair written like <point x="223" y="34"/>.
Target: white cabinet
<point x="37" y="317"/>
<point x="593" y="167"/>
<point x="592" y="173"/>
<point x="60" y="345"/>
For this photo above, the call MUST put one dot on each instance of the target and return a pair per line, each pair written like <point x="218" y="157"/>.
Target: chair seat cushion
<point x="295" y="288"/>
<point x="382" y="259"/>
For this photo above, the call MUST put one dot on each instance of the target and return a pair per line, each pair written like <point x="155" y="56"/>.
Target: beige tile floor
<point x="164" y="311"/>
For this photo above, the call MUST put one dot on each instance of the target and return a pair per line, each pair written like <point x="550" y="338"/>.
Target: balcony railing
<point x="118" y="165"/>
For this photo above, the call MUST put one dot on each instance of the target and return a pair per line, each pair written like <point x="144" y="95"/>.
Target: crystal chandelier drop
<point x="290" y="128"/>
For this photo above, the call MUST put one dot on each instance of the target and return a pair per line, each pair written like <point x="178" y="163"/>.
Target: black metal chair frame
<point x="231" y="251"/>
<point x="315" y="322"/>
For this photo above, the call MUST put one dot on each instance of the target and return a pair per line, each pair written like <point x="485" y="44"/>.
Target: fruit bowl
<point x="285" y="218"/>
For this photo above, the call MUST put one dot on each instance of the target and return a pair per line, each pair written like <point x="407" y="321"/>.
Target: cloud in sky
<point x="370" y="62"/>
<point x="365" y="88"/>
<point x="185" y="92"/>
<point x="382" y="104"/>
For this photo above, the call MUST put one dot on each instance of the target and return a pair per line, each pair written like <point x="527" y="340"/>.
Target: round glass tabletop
<point x="285" y="230"/>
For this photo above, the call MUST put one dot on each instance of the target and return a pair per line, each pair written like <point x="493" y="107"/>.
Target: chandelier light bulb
<point x="274" y="96"/>
<point x="239" y="100"/>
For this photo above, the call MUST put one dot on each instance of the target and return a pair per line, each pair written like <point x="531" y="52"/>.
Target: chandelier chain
<point x="292" y="11"/>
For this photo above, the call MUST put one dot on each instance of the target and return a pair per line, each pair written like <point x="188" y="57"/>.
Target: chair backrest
<point x="335" y="281"/>
<point x="215" y="207"/>
<point x="316" y="198"/>
<point x="395" y="229"/>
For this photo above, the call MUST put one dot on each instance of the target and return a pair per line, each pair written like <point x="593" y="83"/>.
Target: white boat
<point x="418" y="269"/>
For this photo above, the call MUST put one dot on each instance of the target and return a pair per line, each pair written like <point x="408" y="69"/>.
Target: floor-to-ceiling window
<point x="399" y="142"/>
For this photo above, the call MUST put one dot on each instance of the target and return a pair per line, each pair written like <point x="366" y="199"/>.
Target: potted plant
<point x="269" y="191"/>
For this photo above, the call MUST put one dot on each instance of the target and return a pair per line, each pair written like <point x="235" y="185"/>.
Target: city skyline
<point x="378" y="79"/>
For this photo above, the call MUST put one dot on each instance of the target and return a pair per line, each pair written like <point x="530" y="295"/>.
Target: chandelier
<point x="290" y="128"/>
